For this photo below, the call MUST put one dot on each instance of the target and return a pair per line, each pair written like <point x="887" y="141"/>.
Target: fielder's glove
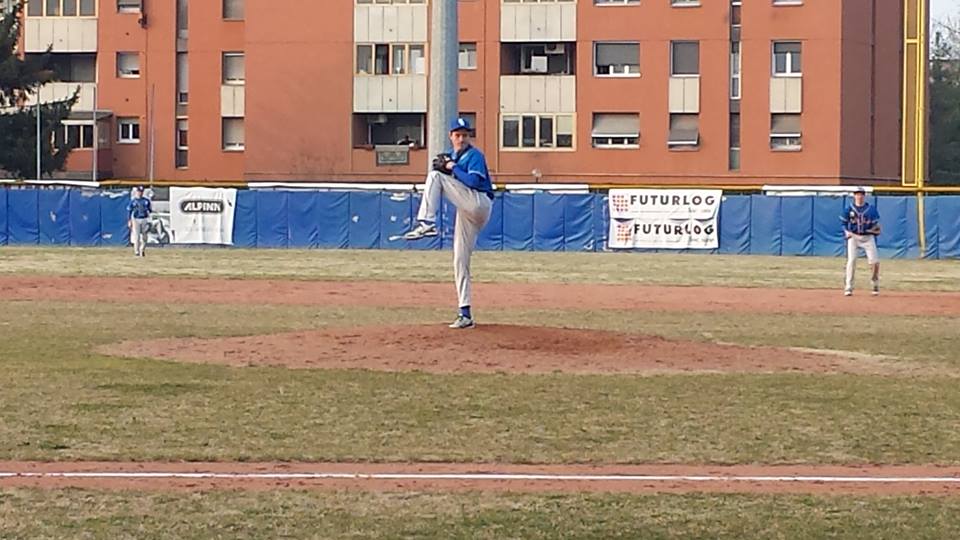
<point x="440" y="163"/>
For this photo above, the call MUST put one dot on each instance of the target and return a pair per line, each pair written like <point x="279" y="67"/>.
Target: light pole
<point x="444" y="86"/>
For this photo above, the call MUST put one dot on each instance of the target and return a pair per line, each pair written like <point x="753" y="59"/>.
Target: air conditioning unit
<point x="377" y="119"/>
<point x="538" y="64"/>
<point x="556" y="48"/>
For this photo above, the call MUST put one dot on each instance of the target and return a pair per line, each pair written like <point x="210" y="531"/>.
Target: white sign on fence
<point x="664" y="218"/>
<point x="202" y="215"/>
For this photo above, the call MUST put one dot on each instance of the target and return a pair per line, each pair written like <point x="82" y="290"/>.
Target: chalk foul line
<point x="486" y="477"/>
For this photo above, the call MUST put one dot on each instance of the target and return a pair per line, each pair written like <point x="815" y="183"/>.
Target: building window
<point x="787" y="59"/>
<point x="128" y="65"/>
<point x="129" y="6"/>
<point x="537" y="131"/>
<point x="234" y="68"/>
<point x="616" y="130"/>
<point x="617" y="59"/>
<point x="183" y="19"/>
<point x="387" y="59"/>
<point x="785" y="132"/>
<point x="537" y="58"/>
<point x="471" y="119"/>
<point x="684" y="3"/>
<point x="467" y="59"/>
<point x="684" y="131"/>
<point x="182" y="156"/>
<point x="391" y="1"/>
<point x="233" y="134"/>
<point x="615" y="2"/>
<point x="388" y="129"/>
<point x="734" y="164"/>
<point x="57" y="8"/>
<point x="735" y="70"/>
<point x="70" y="67"/>
<point x="78" y="135"/>
<point x="183" y="79"/>
<point x="233" y="10"/>
<point x="684" y="58"/>
<point x="128" y="130"/>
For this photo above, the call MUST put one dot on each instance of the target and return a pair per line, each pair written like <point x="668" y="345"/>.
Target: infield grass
<point x="293" y="514"/>
<point x="63" y="401"/>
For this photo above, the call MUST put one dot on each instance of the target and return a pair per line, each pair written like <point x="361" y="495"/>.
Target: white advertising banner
<point x="202" y="215"/>
<point x="664" y="218"/>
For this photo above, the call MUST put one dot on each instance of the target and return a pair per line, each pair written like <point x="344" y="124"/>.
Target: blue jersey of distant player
<point x="470" y="168"/>
<point x="860" y="219"/>
<point x="139" y="208"/>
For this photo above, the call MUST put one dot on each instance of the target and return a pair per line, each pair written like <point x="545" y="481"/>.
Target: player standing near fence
<point x="462" y="177"/>
<point x="138" y="215"/>
<point x="861" y="226"/>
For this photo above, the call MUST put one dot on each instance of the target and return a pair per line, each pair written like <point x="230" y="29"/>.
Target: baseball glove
<point x="440" y="163"/>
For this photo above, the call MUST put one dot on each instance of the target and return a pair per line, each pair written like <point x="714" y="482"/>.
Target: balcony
<point x="390" y="93"/>
<point x="538" y="93"/>
<point x="59" y="91"/>
<point x="550" y="21"/>
<point x="390" y="23"/>
<point x="63" y="34"/>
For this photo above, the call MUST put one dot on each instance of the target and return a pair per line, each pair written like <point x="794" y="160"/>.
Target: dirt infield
<point x="489" y="349"/>
<point x="872" y="480"/>
<point x="501" y="295"/>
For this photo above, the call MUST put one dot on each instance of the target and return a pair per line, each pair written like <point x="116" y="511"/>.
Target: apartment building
<point x="666" y="92"/>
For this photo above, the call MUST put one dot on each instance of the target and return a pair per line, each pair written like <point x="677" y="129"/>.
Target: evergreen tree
<point x="945" y="105"/>
<point x="20" y="77"/>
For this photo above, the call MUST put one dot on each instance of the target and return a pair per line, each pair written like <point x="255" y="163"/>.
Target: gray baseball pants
<point x="138" y="234"/>
<point x="473" y="213"/>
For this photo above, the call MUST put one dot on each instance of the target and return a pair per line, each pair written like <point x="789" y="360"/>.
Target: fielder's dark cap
<point x="459" y="124"/>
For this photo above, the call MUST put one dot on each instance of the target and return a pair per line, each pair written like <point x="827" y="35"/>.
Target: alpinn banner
<point x="664" y="218"/>
<point x="202" y="215"/>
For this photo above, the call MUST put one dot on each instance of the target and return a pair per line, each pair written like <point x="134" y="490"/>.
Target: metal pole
<point x="152" y="132"/>
<point x="38" y="136"/>
<point x="96" y="136"/>
<point x="444" y="86"/>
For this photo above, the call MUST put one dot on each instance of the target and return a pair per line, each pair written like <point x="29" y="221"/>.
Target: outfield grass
<point x="62" y="401"/>
<point x="649" y="269"/>
<point x="292" y="514"/>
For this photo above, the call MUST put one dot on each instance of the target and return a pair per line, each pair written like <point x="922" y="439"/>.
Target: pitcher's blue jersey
<point x="139" y="208"/>
<point x="860" y="219"/>
<point x="470" y="169"/>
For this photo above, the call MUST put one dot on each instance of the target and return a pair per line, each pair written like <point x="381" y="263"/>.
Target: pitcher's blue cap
<point x="459" y="124"/>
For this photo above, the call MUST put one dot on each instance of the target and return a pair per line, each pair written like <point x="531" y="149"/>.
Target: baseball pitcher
<point x="861" y="226"/>
<point x="462" y="177"/>
<point x="138" y="216"/>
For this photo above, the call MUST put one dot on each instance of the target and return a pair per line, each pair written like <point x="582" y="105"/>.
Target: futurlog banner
<point x="664" y="218"/>
<point x="202" y="215"/>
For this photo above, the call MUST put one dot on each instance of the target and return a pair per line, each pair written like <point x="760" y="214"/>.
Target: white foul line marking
<point x="488" y="477"/>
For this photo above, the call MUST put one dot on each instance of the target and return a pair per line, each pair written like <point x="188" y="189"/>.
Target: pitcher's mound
<point x="487" y="348"/>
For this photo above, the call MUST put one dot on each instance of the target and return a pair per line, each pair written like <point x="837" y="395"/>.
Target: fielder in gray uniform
<point x="138" y="214"/>
<point x="462" y="177"/>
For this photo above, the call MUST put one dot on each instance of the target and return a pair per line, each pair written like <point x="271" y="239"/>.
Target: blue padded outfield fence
<point x="540" y="221"/>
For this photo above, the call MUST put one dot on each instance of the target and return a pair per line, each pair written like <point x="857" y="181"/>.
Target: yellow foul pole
<point x="914" y="137"/>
